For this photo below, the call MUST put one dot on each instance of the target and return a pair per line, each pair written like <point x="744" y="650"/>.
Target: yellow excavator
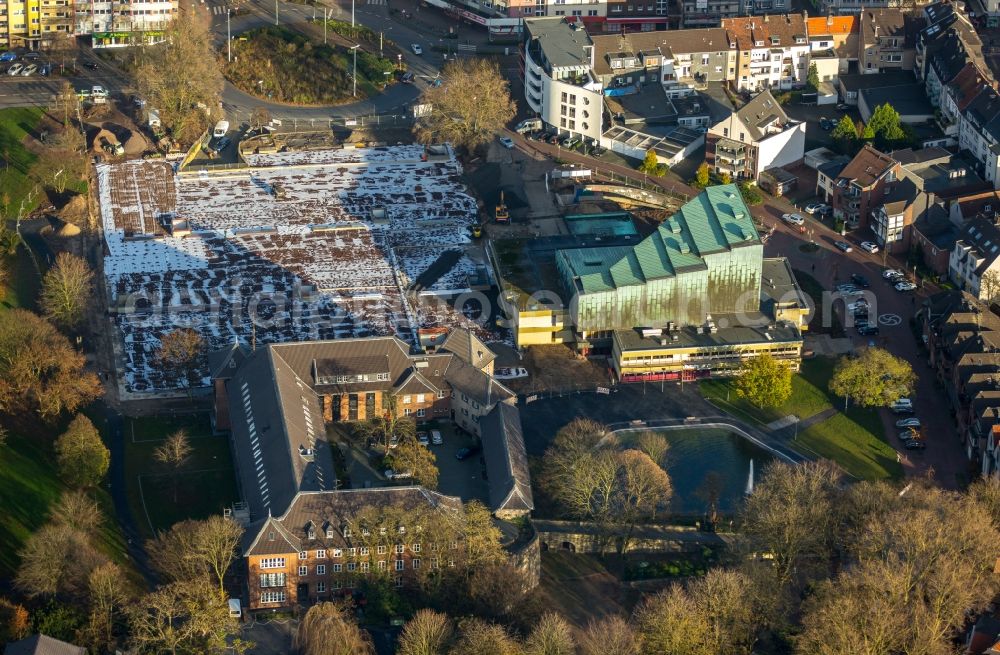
<point x="502" y="215"/>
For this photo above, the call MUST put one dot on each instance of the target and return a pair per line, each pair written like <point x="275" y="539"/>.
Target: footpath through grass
<point x="205" y="485"/>
<point x="854" y="439"/>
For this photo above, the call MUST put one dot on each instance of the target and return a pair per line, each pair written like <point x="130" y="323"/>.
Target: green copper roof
<point x="716" y="220"/>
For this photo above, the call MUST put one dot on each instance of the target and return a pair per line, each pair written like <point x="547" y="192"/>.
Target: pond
<point x="705" y="458"/>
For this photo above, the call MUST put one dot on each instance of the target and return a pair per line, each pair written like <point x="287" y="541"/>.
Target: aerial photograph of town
<point x="499" y="327"/>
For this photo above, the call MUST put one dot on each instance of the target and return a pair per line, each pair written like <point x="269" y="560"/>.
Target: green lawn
<point x="850" y="440"/>
<point x="205" y="486"/>
<point x="15" y="124"/>
<point x="855" y="440"/>
<point x="809" y="395"/>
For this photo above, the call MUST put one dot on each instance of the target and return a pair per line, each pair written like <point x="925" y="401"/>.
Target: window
<point x="381" y="550"/>
<point x="399" y="549"/>
<point x="407" y="411"/>
<point x="415" y="548"/>
<point x="440" y="394"/>
<point x="381" y="565"/>
<point x="351" y="566"/>
<point x="272" y="563"/>
<point x="364" y="550"/>
<point x="336" y="584"/>
<point x="337" y="552"/>
<point x="400" y="564"/>
<point x="320" y="554"/>
<point x="303" y="570"/>
<point x="272" y="580"/>
<point x="704" y="60"/>
<point x="272" y="597"/>
<point x="382" y="377"/>
<point x="320" y="587"/>
<point x="347" y="532"/>
<point x="352" y="552"/>
<point x="364" y="567"/>
<point x="399" y="581"/>
<point x="320" y="569"/>
<point x="434" y="563"/>
<point x="416" y="563"/>
<point x="337" y="568"/>
<point x="421" y="413"/>
<point x="407" y="399"/>
<point x="270" y="536"/>
<point x="304" y="554"/>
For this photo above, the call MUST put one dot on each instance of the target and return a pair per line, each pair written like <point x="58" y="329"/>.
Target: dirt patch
<point x="572" y="584"/>
<point x="558" y="368"/>
<point x="72" y="214"/>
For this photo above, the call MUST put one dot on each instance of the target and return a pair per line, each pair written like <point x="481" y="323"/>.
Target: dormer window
<point x="402" y="529"/>
<point x="329" y="531"/>
<point x="758" y="44"/>
<point x="310" y="530"/>
<point x="347" y="532"/>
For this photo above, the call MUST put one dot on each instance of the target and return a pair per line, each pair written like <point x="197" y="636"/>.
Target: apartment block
<point x="757" y="137"/>
<point x="772" y="51"/>
<point x="120" y="24"/>
<point x="888" y="39"/>
<point x="859" y="188"/>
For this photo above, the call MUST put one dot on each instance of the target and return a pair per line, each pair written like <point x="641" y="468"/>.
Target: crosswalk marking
<point x="376" y="2"/>
<point x="218" y="11"/>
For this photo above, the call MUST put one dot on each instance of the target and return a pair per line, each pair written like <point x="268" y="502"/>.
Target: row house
<point x="955" y="97"/>
<point x="772" y="51"/>
<point x="963" y="340"/>
<point x="861" y="185"/>
<point x="845" y="7"/>
<point x="756" y="137"/>
<point x="833" y="45"/>
<point x="710" y="13"/>
<point x="979" y="133"/>
<point x="975" y="256"/>
<point x="887" y="39"/>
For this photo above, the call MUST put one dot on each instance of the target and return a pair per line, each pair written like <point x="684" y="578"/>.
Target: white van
<point x="235" y="608"/>
<point x="220" y="129"/>
<point x="529" y="125"/>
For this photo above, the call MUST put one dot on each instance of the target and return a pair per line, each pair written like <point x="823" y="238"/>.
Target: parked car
<point x="15" y="69"/>
<point x="598" y="151"/>
<point x="843" y="106"/>
<point x="843" y="245"/>
<point x="465" y="453"/>
<point x="8" y="56"/>
<point x="860" y="280"/>
<point x="794" y="219"/>
<point x="29" y="70"/>
<point x="510" y="373"/>
<point x="31" y="56"/>
<point x="869" y="246"/>
<point x="554" y="139"/>
<point x="868" y="330"/>
<point x="915" y="444"/>
<point x="826" y="124"/>
<point x="91" y="65"/>
<point x="902" y="406"/>
<point x="436" y="438"/>
<point x="890" y="273"/>
<point x="506" y="142"/>
<point x="909" y="434"/>
<point x="397" y="475"/>
<point x="905" y="285"/>
<point x="417" y="50"/>
<point x="858" y="304"/>
<point x="815" y="208"/>
<point x="846" y="287"/>
<point x="45" y="70"/>
<point x="423" y="439"/>
<point x="908" y="423"/>
<point x="223" y="143"/>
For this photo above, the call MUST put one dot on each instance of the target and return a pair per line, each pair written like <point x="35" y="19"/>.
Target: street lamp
<point x="260" y="83"/>
<point x="355" y="49"/>
<point x="352" y="14"/>
<point x="229" y="37"/>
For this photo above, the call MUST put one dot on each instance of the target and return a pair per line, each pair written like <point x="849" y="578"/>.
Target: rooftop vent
<point x="675" y="227"/>
<point x="684" y="247"/>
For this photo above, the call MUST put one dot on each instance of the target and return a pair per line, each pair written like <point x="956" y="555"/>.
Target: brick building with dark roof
<point x="42" y="645"/>
<point x="277" y="402"/>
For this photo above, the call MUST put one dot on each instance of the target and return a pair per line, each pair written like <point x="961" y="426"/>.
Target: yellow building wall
<point x="641" y="361"/>
<point x="540" y="327"/>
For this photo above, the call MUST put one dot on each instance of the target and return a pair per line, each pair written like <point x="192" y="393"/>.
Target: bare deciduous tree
<point x="66" y="291"/>
<point x="77" y="510"/>
<point x="655" y="445"/>
<point x="181" y="617"/>
<point x="612" y="635"/>
<point x="181" y="77"/>
<point x="173" y="454"/>
<point x="259" y="117"/>
<point x="39" y="370"/>
<point x="792" y="515"/>
<point x="329" y="629"/>
<point x="551" y="636"/>
<point x="410" y="457"/>
<point x="477" y="637"/>
<point x="468" y="110"/>
<point x="989" y="286"/>
<point x="671" y="622"/>
<point x="197" y="549"/>
<point x="56" y="560"/>
<point x="108" y="597"/>
<point x="181" y="353"/>
<point x="427" y="633"/>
